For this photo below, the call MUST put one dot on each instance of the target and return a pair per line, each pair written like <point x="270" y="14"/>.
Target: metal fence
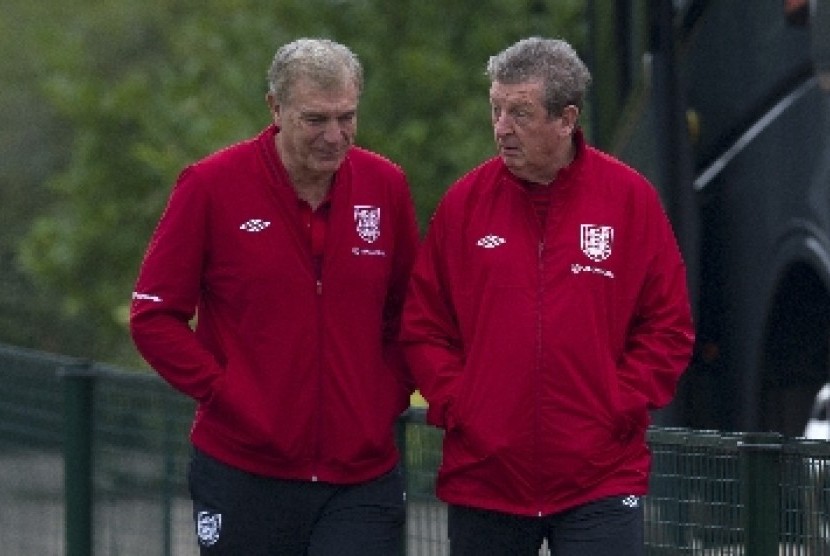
<point x="93" y="462"/>
<point x="737" y="493"/>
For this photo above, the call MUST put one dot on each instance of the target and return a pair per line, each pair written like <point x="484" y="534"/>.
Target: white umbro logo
<point x="254" y="225"/>
<point x="631" y="501"/>
<point x="491" y="241"/>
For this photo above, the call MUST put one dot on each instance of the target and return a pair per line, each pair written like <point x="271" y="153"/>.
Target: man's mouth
<point x="328" y="155"/>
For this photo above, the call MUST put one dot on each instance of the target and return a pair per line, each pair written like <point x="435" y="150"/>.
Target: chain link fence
<point x="93" y="462"/>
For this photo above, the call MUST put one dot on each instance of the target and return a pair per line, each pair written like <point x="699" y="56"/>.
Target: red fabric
<point x="540" y="354"/>
<point x="296" y="377"/>
<point x="316" y="222"/>
<point x="540" y="199"/>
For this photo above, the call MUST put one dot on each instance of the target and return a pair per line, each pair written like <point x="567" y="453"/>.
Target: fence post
<point x="760" y="455"/>
<point x="403" y="448"/>
<point x="169" y="472"/>
<point x="79" y="380"/>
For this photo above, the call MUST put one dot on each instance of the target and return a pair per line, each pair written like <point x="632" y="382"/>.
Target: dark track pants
<point x="608" y="527"/>
<point x="238" y="513"/>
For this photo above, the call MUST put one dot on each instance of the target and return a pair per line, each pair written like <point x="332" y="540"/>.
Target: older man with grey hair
<point x="294" y="249"/>
<point x="547" y="313"/>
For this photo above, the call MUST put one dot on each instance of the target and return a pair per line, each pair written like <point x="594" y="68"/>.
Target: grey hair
<point x="327" y="63"/>
<point x="554" y="62"/>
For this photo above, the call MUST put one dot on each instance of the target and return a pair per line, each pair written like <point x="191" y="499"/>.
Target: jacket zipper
<point x="537" y="420"/>
<point x="537" y="402"/>
<point x="319" y="432"/>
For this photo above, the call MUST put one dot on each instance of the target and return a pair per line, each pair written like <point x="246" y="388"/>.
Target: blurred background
<point x="723" y="105"/>
<point x="104" y="102"/>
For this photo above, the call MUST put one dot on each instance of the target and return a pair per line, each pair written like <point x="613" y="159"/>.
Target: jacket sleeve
<point x="406" y="247"/>
<point x="431" y="335"/>
<point x="660" y="334"/>
<point x="167" y="291"/>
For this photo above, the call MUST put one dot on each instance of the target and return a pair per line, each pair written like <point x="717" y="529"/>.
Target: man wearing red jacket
<point x="292" y="250"/>
<point x="547" y="314"/>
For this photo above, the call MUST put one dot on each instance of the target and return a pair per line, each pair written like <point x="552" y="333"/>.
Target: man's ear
<point x="273" y="106"/>
<point x="570" y="117"/>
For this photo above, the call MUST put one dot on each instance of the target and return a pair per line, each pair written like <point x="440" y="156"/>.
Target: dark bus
<point x="725" y="106"/>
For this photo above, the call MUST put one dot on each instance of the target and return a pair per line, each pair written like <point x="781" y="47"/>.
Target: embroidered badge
<point x="208" y="527"/>
<point x="596" y="241"/>
<point x="367" y="219"/>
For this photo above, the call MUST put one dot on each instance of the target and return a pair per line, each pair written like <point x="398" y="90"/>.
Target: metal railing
<point x="93" y="462"/>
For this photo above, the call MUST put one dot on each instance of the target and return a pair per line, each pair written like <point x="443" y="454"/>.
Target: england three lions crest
<point x="367" y="219"/>
<point x="208" y="527"/>
<point x="596" y="241"/>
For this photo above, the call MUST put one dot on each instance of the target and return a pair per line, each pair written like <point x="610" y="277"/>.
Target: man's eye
<point x="314" y="120"/>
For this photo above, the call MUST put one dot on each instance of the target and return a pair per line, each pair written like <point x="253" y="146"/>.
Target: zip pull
<point x="319" y="287"/>
<point x="541" y="248"/>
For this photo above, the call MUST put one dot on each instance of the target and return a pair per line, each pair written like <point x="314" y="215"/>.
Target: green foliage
<point x="31" y="139"/>
<point x="148" y="87"/>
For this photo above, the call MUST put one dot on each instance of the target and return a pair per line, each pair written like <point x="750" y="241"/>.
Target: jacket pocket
<point x="603" y="451"/>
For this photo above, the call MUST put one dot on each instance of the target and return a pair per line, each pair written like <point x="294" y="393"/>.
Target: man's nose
<point x="333" y="130"/>
<point x="502" y="124"/>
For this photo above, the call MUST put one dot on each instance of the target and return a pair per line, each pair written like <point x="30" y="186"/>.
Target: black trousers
<point x="608" y="527"/>
<point x="238" y="513"/>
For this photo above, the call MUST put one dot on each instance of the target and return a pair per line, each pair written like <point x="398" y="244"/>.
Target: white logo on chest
<point x="596" y="241"/>
<point x="254" y="225"/>
<point x="367" y="218"/>
<point x="491" y="241"/>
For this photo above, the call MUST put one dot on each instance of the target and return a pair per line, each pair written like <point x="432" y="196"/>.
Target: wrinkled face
<point x="317" y="127"/>
<point x="532" y="144"/>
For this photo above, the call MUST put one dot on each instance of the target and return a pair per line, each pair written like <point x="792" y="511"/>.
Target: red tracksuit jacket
<point x="294" y="378"/>
<point x="540" y="352"/>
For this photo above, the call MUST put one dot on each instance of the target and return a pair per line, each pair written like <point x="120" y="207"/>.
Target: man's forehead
<point x="306" y="95"/>
<point x="527" y="92"/>
<point x="308" y="107"/>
